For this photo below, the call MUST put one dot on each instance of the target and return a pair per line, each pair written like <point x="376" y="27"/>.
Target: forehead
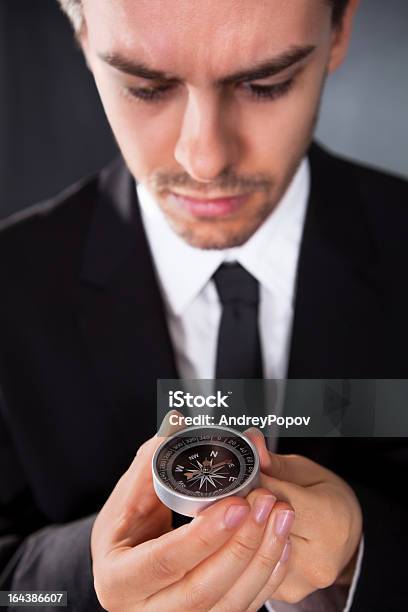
<point x="203" y="37"/>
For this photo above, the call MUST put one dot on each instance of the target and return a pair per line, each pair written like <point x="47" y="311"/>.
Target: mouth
<point x="209" y="207"/>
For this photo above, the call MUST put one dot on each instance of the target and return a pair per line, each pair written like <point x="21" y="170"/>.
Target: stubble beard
<point x="219" y="234"/>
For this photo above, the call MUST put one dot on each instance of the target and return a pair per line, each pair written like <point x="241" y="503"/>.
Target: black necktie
<point x="238" y="349"/>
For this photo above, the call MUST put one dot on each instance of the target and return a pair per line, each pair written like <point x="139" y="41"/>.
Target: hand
<point x="220" y="561"/>
<point x="328" y="526"/>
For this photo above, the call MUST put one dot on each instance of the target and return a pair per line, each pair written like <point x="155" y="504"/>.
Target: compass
<point x="197" y="466"/>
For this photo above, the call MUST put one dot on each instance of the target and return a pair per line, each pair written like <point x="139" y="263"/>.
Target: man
<point x="106" y="289"/>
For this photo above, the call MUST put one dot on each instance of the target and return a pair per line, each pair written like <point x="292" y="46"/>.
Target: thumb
<point x="139" y="474"/>
<point x="290" y="468"/>
<point x="258" y="439"/>
<point x="133" y="512"/>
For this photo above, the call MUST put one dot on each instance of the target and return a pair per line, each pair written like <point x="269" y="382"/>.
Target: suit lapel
<point x="336" y="332"/>
<point x="337" y="305"/>
<point x="121" y="311"/>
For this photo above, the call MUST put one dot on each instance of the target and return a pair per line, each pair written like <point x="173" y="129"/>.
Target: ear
<point x="83" y="43"/>
<point x="341" y="37"/>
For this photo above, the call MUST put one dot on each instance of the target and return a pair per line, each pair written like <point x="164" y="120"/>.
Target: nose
<point x="207" y="145"/>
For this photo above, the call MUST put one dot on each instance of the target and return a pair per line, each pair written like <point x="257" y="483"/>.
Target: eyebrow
<point x="260" y="70"/>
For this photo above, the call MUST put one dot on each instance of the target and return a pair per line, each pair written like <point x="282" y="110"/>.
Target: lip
<point x="209" y="207"/>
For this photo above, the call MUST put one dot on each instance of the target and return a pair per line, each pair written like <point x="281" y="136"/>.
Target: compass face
<point x="209" y="463"/>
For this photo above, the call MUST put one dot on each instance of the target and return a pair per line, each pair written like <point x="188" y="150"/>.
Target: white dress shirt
<point x="191" y="300"/>
<point x="192" y="306"/>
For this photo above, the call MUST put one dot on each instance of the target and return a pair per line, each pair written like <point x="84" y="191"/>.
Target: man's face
<point x="213" y="103"/>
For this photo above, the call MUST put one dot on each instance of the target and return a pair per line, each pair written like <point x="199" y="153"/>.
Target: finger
<point x="295" y="495"/>
<point x="256" y="436"/>
<point x="291" y="468"/>
<point x="294" y="479"/>
<point x="296" y="469"/>
<point x="317" y="508"/>
<point x="275" y="580"/>
<point x="304" y="502"/>
<point x="211" y="580"/>
<point x="300" y="482"/>
<point x="293" y="588"/>
<point x="139" y="474"/>
<point x="168" y="427"/>
<point x="133" y="501"/>
<point x="257" y="574"/>
<point x="161" y="562"/>
<point x="146" y="451"/>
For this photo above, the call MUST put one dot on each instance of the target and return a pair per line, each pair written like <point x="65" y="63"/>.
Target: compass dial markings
<point x="208" y="464"/>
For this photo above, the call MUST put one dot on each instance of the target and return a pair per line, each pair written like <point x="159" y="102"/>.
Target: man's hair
<point x="73" y="8"/>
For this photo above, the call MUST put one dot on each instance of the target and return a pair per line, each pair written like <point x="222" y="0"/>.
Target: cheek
<point x="277" y="132"/>
<point x="146" y="135"/>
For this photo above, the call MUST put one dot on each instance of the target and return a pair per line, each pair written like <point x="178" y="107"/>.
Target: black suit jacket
<point x="83" y="339"/>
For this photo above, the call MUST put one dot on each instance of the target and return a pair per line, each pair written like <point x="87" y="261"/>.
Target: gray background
<point x="53" y="130"/>
<point x="365" y="107"/>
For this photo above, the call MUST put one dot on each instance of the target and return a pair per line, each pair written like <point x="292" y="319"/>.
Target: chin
<point x="214" y="236"/>
<point x="218" y="233"/>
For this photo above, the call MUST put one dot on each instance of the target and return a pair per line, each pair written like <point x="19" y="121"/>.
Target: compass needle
<point x="210" y="480"/>
<point x="215" y="470"/>
<point x="218" y="465"/>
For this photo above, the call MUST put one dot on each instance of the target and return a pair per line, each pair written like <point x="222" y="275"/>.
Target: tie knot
<point x="235" y="285"/>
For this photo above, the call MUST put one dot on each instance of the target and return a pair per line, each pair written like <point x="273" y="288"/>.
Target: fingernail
<point x="235" y="515"/>
<point x="283" y="523"/>
<point x="285" y="553"/>
<point x="262" y="507"/>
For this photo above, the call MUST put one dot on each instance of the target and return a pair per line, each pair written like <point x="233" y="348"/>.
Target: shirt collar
<point x="270" y="255"/>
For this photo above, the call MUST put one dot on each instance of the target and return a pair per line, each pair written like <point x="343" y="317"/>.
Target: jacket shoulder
<point x="45" y="237"/>
<point x="46" y="211"/>
<point x="378" y="185"/>
<point x="383" y="196"/>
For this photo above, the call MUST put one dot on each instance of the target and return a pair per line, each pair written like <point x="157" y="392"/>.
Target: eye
<point x="268" y="92"/>
<point x="150" y="94"/>
<point x="259" y="92"/>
